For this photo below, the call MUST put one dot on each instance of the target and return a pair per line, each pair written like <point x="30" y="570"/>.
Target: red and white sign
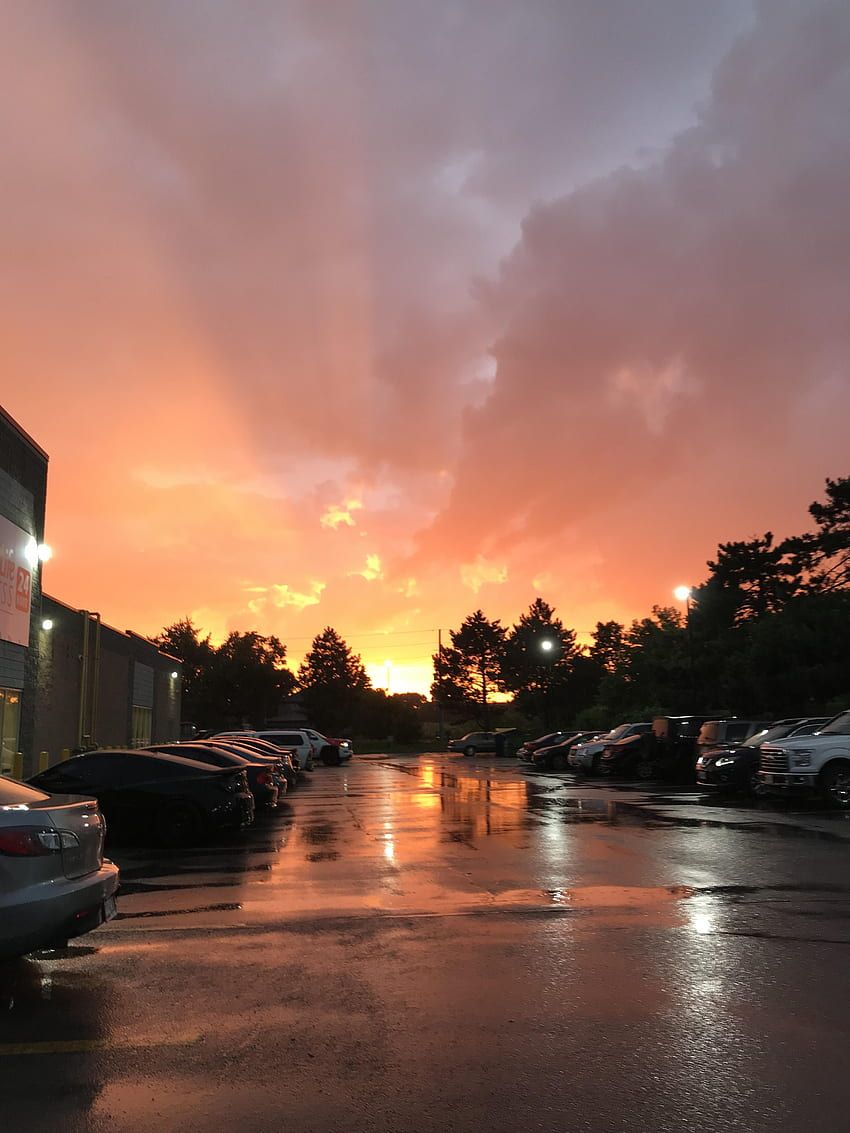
<point x="18" y="554"/>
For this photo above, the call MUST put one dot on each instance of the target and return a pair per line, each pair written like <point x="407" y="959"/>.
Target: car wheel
<point x="469" y="750"/>
<point x="330" y="756"/>
<point x="559" y="762"/>
<point x="645" y="770"/>
<point x="178" y="824"/>
<point x="835" y="784"/>
<point x="594" y="767"/>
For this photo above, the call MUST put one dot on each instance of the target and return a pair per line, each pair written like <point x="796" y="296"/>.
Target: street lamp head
<point x="682" y="593"/>
<point x="546" y="645"/>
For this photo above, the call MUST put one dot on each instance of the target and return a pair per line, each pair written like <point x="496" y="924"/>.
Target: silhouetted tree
<point x="762" y="575"/>
<point x="537" y="662"/>
<point x="249" y="677"/>
<point x="470" y="670"/>
<point x="609" y="647"/>
<point x="823" y="556"/>
<point x="332" y="679"/>
<point x="197" y="657"/>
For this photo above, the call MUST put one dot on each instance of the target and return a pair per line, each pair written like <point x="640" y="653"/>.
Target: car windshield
<point x="839" y="726"/>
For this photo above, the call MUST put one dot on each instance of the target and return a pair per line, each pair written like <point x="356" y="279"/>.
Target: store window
<point x="10" y="723"/>
<point x="142" y="723"/>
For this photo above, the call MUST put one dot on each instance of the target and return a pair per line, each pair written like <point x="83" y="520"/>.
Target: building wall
<point x="23" y="493"/>
<point x="123" y="671"/>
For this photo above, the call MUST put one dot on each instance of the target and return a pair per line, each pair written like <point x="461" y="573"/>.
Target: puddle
<point x="318" y="833"/>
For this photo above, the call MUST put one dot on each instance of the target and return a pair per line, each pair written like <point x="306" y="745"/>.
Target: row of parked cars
<point x="797" y="754"/>
<point x="55" y="882"/>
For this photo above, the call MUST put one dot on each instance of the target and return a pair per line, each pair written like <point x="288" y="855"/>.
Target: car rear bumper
<point x="265" y="796"/>
<point x="48" y="915"/>
<point x="235" y="813"/>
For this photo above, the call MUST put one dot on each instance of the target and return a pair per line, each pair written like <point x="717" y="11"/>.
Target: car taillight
<point x="32" y="841"/>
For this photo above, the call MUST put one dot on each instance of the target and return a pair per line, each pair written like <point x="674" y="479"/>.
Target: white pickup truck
<point x="815" y="763"/>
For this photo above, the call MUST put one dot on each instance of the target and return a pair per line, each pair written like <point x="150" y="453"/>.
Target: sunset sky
<point x="367" y="313"/>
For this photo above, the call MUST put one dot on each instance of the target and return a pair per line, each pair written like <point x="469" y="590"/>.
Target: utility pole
<point x="440" y="732"/>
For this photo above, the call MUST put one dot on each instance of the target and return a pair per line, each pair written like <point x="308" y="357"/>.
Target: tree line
<point x="245" y="681"/>
<point x="765" y="633"/>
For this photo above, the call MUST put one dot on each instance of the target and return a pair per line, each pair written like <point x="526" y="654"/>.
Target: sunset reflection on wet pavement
<point x="433" y="942"/>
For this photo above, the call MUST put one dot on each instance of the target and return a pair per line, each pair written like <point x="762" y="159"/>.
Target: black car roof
<point x="143" y="753"/>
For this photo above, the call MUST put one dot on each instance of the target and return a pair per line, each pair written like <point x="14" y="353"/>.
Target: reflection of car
<point x="54" y="880"/>
<point x="263" y="780"/>
<point x="474" y="743"/>
<point x="735" y="766"/>
<point x="151" y="796"/>
<point x="554" y="757"/>
<point x="586" y="757"/>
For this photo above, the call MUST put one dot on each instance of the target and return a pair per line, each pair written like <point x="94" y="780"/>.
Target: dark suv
<point x="734" y="767"/>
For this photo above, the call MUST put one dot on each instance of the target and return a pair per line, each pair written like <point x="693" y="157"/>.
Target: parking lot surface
<point x="440" y="943"/>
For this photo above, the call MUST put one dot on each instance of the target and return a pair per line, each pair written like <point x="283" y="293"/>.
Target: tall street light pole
<point x="683" y="594"/>
<point x="547" y="647"/>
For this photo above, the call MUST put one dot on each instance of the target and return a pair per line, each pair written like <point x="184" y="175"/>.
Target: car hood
<point x="806" y="742"/>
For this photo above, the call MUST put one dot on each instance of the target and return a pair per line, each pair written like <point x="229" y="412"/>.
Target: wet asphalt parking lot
<point x="440" y="943"/>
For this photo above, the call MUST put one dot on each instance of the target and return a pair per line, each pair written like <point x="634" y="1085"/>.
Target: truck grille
<point x="772" y="759"/>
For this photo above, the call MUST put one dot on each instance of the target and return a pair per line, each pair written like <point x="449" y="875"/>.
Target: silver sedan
<point x="54" y="880"/>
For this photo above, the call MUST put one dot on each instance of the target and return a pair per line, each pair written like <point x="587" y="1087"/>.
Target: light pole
<point x="547" y="648"/>
<point x="683" y="594"/>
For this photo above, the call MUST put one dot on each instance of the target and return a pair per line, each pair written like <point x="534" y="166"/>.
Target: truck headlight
<point x="723" y="761"/>
<point x="801" y="759"/>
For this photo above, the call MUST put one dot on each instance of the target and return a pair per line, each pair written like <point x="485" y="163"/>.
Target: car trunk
<point x="84" y="853"/>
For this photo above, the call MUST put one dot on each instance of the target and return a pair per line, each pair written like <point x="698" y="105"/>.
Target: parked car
<point x="820" y="762"/>
<point x="586" y="757"/>
<point x="555" y="756"/>
<point x="734" y="768"/>
<point x="667" y="752"/>
<point x="525" y="751"/>
<point x="251" y="747"/>
<point x="264" y="781"/>
<point x="474" y="743"/>
<point x="168" y="798"/>
<point x="55" y="883"/>
<point x="345" y="748"/>
<point x="291" y="739"/>
<point x="717" y="733"/>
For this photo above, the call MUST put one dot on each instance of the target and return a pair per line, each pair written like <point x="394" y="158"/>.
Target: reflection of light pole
<point x="683" y="594"/>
